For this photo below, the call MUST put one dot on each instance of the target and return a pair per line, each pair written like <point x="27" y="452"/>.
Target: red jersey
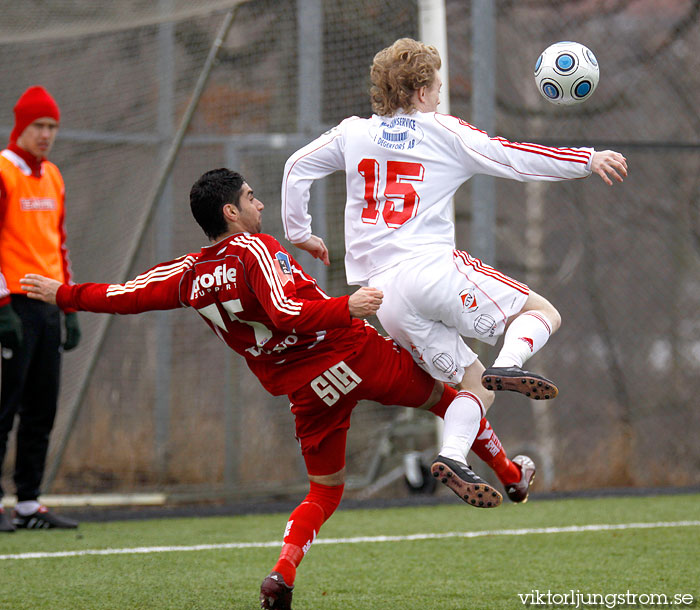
<point x="253" y="295"/>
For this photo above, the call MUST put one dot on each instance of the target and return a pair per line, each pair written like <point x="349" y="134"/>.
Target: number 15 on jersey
<point x="389" y="189"/>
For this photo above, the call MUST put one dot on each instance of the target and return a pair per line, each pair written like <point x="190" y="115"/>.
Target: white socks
<point x="29" y="507"/>
<point x="462" y="420"/>
<point x="524" y="337"/>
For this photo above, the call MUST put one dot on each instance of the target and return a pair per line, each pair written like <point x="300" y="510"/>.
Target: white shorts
<point x="431" y="302"/>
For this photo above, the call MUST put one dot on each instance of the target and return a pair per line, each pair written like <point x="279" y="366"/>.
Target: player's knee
<point x="326" y="496"/>
<point x="536" y="303"/>
<point x="329" y="480"/>
<point x="487" y="397"/>
<point x="555" y="319"/>
<point x="550" y="314"/>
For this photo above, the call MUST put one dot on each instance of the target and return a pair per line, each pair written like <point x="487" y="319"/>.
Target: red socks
<point x="448" y="395"/>
<point x="303" y="525"/>
<point x="488" y="447"/>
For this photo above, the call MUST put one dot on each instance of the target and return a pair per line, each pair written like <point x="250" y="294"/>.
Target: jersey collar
<point x="27" y="163"/>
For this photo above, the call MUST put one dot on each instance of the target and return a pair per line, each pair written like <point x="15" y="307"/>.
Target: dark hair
<point x="210" y="194"/>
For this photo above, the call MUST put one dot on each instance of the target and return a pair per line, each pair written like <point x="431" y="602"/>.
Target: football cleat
<point x="5" y="523"/>
<point x="515" y="379"/>
<point x="275" y="594"/>
<point x="469" y="486"/>
<point x="518" y="492"/>
<point x="42" y="519"/>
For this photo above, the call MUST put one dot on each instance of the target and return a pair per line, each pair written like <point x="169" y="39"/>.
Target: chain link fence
<point x="155" y="402"/>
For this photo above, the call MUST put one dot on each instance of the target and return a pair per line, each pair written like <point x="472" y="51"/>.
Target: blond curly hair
<point x="400" y="70"/>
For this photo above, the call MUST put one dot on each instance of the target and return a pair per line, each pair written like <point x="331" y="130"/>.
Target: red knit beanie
<point x="35" y="103"/>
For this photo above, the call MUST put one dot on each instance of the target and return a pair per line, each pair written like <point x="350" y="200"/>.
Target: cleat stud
<point x="498" y="380"/>
<point x="436" y="474"/>
<point x="489" y="504"/>
<point x="449" y="474"/>
<point x="499" y="387"/>
<point x="476" y="487"/>
<point x="494" y="494"/>
<point x="546" y="395"/>
<point x="523" y="381"/>
<point x="480" y="495"/>
<point x="537" y="397"/>
<point x="527" y="394"/>
<point x="473" y="501"/>
<point x="488" y="379"/>
<point x="441" y="467"/>
<point x="539" y="383"/>
<point x="489" y="387"/>
<point x="532" y="381"/>
<point x="444" y="479"/>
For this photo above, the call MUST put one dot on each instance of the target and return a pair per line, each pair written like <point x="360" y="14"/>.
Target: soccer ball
<point x="566" y="73"/>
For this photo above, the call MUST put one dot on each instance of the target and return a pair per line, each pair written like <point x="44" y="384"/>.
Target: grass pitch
<point x="420" y="563"/>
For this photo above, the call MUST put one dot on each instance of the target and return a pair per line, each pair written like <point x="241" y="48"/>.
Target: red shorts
<point x="377" y="370"/>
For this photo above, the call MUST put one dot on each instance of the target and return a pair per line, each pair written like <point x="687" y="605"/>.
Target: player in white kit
<point x="403" y="166"/>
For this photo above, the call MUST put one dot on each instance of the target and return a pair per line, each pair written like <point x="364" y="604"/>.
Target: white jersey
<point x="401" y="175"/>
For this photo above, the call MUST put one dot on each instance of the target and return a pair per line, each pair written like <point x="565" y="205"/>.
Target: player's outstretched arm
<point x="365" y="302"/>
<point x="40" y="288"/>
<point x="607" y="163"/>
<point x="316" y="247"/>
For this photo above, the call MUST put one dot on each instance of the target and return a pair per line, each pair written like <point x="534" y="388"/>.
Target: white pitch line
<point x="277" y="543"/>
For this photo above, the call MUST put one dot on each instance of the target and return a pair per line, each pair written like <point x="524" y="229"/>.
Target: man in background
<point x="32" y="240"/>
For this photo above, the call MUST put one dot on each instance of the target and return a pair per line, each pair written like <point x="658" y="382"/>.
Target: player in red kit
<point x="295" y="338"/>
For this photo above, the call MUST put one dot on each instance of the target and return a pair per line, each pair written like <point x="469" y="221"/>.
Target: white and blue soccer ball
<point x="566" y="73"/>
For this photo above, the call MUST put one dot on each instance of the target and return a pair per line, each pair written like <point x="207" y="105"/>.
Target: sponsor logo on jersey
<point x="485" y="325"/>
<point x="469" y="304"/>
<point x="283" y="260"/>
<point x="257" y="350"/>
<point x="221" y="276"/>
<point x="37" y="204"/>
<point x="399" y="133"/>
<point x="283" y="266"/>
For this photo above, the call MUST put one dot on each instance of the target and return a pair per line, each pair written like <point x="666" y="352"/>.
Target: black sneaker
<point x="516" y="380"/>
<point x="275" y="594"/>
<point x="42" y="519"/>
<point x="518" y="492"/>
<point x="469" y="486"/>
<point x="5" y="523"/>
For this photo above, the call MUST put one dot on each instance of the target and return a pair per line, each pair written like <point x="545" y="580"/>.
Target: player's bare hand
<point x="365" y="302"/>
<point x="40" y="287"/>
<point x="316" y="248"/>
<point x="607" y="164"/>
